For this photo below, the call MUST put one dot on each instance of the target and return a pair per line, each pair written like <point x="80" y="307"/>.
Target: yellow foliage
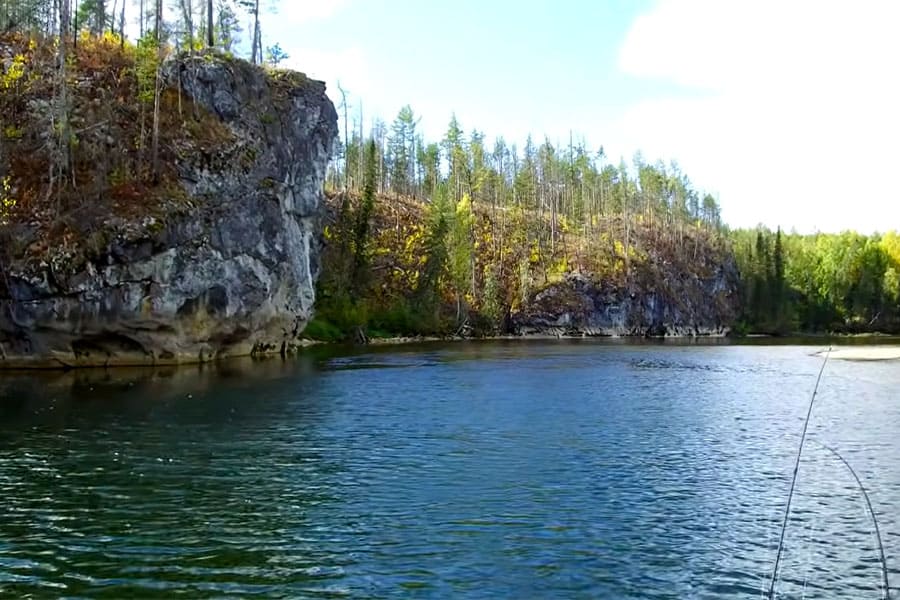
<point x="108" y="39"/>
<point x="890" y="243"/>
<point x="14" y="73"/>
<point x="7" y="202"/>
<point x="892" y="282"/>
<point x="535" y="255"/>
<point x="11" y="132"/>
<point x="559" y="269"/>
<point x="413" y="239"/>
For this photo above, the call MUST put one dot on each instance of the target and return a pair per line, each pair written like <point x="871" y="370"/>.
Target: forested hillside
<point x="433" y="236"/>
<point x="447" y="235"/>
<point x="452" y="236"/>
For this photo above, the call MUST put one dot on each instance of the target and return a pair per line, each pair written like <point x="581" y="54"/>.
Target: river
<point x="520" y="469"/>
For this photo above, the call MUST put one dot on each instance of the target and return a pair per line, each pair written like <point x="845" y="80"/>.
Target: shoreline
<point x="889" y="351"/>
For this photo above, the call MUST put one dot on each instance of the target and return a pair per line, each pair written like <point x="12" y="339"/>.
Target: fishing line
<point x="884" y="569"/>
<point x="787" y="510"/>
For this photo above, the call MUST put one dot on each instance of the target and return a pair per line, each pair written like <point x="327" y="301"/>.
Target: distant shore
<point x="863" y="353"/>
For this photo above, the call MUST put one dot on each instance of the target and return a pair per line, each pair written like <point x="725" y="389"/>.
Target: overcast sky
<point x="788" y="111"/>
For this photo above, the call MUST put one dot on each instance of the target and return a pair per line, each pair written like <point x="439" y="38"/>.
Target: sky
<point x="787" y="111"/>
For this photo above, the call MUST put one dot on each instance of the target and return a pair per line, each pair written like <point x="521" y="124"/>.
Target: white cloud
<point x="793" y="110"/>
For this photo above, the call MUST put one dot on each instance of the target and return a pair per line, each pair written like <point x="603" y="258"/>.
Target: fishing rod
<point x="884" y="569"/>
<point x="787" y="510"/>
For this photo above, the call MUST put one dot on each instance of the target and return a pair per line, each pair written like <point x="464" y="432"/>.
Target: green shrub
<point x="322" y="330"/>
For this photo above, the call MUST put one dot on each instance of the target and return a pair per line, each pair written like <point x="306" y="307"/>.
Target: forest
<point x="575" y="211"/>
<point x="843" y="283"/>
<point x="464" y="232"/>
<point x="431" y="235"/>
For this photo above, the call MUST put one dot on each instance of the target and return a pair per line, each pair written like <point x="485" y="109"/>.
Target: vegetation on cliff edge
<point x="93" y="149"/>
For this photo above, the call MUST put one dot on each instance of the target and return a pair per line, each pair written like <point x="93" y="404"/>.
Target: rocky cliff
<point x="681" y="306"/>
<point x="226" y="267"/>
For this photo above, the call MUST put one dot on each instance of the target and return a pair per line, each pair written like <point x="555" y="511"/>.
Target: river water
<point x="471" y="470"/>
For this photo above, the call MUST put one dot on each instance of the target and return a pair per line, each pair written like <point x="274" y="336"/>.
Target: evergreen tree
<point x="401" y="151"/>
<point x="460" y="246"/>
<point x="361" y="227"/>
<point x="438" y="219"/>
<point x="456" y="157"/>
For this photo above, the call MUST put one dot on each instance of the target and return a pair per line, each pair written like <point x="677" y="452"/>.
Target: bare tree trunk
<point x="122" y="23"/>
<point x="210" y="32"/>
<point x="257" y="41"/>
<point x="62" y="109"/>
<point x="156" y="95"/>
<point x="346" y="137"/>
<point x="99" y="17"/>
<point x="187" y="14"/>
<point x="359" y="160"/>
<point x="155" y="143"/>
<point x="158" y="18"/>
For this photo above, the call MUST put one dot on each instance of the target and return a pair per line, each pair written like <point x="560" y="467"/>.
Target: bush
<point x="323" y="331"/>
<point x="397" y="320"/>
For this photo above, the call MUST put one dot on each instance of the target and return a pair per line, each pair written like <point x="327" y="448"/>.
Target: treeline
<point x="181" y="24"/>
<point x="568" y="183"/>
<point x="844" y="283"/>
<point x="442" y="236"/>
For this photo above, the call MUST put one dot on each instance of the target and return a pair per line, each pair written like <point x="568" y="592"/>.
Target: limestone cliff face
<point x="680" y="305"/>
<point x="232" y="275"/>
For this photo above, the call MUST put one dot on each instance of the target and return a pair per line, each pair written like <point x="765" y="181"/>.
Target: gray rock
<point x="233" y="276"/>
<point x="681" y="307"/>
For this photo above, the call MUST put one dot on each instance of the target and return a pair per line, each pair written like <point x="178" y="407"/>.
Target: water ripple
<point x="501" y="470"/>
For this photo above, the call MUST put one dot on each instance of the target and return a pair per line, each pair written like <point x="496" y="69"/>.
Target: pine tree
<point x="363" y="216"/>
<point x="228" y="27"/>
<point x="438" y="219"/>
<point x="460" y="246"/>
<point x="778" y="284"/>
<point x="401" y="150"/>
<point x="456" y="157"/>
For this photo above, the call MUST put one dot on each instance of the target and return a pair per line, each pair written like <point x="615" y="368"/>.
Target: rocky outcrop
<point x="682" y="306"/>
<point x="231" y="275"/>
